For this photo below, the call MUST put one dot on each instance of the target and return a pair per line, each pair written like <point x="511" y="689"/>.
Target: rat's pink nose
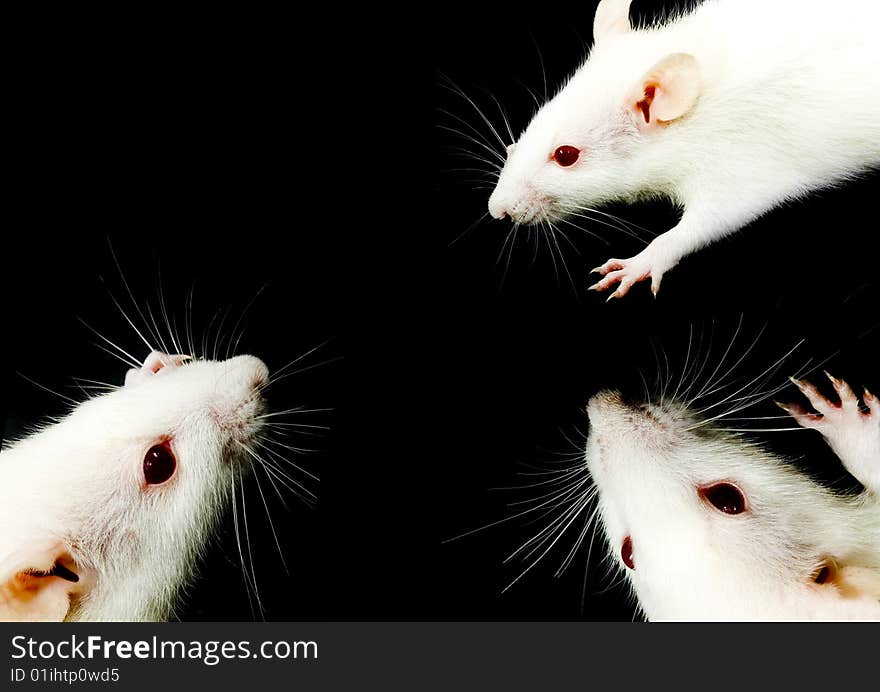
<point x="605" y="403"/>
<point x="251" y="371"/>
<point x="497" y="208"/>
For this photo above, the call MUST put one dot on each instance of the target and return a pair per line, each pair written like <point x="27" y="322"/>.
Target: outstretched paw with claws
<point x="853" y="434"/>
<point x="626" y="273"/>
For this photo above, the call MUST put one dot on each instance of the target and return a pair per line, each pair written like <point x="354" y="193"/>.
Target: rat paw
<point x="853" y="434"/>
<point x="626" y="273"/>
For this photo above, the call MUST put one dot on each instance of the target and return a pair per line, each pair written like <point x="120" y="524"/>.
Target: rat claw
<point x="813" y="395"/>
<point x="793" y="410"/>
<point x="801" y="416"/>
<point x="625" y="274"/>
<point x="844" y="391"/>
<point x="655" y="283"/>
<point x="609" y="266"/>
<point x="806" y="388"/>
<point x="871" y="402"/>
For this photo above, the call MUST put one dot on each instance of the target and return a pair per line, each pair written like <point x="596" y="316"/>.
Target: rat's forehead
<point x="158" y="396"/>
<point x="568" y="118"/>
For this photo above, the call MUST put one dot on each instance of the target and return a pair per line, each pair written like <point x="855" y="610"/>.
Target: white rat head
<point x="708" y="526"/>
<point x="602" y="136"/>
<point x="103" y="514"/>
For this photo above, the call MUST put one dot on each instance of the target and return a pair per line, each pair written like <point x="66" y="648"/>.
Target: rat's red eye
<point x="725" y="497"/>
<point x="159" y="464"/>
<point x="626" y="553"/>
<point x="566" y="155"/>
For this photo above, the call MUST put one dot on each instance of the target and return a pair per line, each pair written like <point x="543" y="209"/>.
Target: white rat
<point x="103" y="514"/>
<point x="709" y="527"/>
<point x="728" y="111"/>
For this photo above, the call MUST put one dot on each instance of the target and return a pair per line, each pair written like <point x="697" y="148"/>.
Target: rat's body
<point x="104" y="513"/>
<point x="728" y="111"/>
<point x="710" y="527"/>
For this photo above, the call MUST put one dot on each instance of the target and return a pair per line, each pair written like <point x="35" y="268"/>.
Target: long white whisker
<point x="131" y="359"/>
<point x="455" y="89"/>
<point x="133" y="302"/>
<point x="247" y="538"/>
<point x="46" y="389"/>
<point x="269" y="517"/>
<point x="244" y="571"/>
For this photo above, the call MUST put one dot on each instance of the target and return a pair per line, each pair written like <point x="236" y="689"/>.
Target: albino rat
<point x="728" y="111"/>
<point x="710" y="527"/>
<point x="104" y="514"/>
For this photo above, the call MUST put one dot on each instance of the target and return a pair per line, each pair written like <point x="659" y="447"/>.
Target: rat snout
<point x="615" y="417"/>
<point x="497" y="205"/>
<point x="605" y="402"/>
<point x="616" y="401"/>
<point x="604" y="410"/>
<point x="239" y="401"/>
<point x="612" y="410"/>
<point x="250" y="371"/>
<point x="523" y="206"/>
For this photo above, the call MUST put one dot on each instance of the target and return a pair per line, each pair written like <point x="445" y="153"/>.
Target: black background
<point x="229" y="152"/>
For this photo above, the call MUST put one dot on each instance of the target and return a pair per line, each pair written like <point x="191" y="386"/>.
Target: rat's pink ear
<point x="153" y="363"/>
<point x="36" y="585"/>
<point x="667" y="91"/>
<point x="612" y="19"/>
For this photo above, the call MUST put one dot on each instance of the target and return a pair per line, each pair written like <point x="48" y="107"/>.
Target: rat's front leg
<point x="653" y="262"/>
<point x="853" y="434"/>
<point x="709" y="214"/>
<point x="695" y="229"/>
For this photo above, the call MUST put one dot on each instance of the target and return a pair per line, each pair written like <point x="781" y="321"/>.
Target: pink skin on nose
<point x="525" y="207"/>
<point x="497" y="209"/>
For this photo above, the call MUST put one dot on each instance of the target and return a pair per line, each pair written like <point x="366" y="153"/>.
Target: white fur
<point x="693" y="562"/>
<point x="789" y="93"/>
<point x="79" y="483"/>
